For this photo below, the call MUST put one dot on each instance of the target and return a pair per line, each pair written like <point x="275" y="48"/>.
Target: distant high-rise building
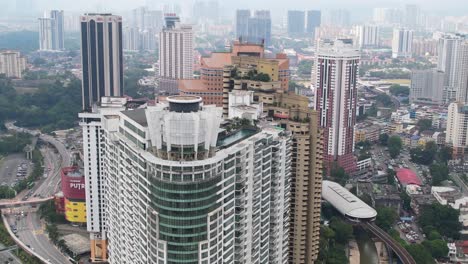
<point x="456" y="133"/>
<point x="138" y="17"/>
<point x="242" y="24"/>
<point x="314" y="19"/>
<point x="412" y="16"/>
<point x="206" y="11"/>
<point x="462" y="67"/>
<point x="154" y="20"/>
<point x="102" y="58"/>
<point x="148" y="39"/>
<point x="131" y="39"/>
<point x="449" y="61"/>
<point x="260" y="28"/>
<point x="336" y="100"/>
<point x="175" y="53"/>
<point x="296" y="23"/>
<point x="12" y="64"/>
<point x="402" y="43"/>
<point x="339" y="18"/>
<point x="51" y="30"/>
<point x="368" y="36"/>
<point x="427" y="86"/>
<point x="387" y="16"/>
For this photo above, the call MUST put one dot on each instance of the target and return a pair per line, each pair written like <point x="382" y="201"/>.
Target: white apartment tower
<point x="451" y="61"/>
<point x="179" y="194"/>
<point x="402" y="43"/>
<point x="368" y="36"/>
<point x="335" y="77"/>
<point x="427" y="86"/>
<point x="12" y="64"/>
<point x="95" y="178"/>
<point x="51" y="31"/>
<point x="175" y="53"/>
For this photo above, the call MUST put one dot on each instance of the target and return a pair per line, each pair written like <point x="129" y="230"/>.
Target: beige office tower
<point x="291" y="112"/>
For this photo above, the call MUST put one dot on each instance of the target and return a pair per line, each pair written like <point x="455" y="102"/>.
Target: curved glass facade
<point x="183" y="209"/>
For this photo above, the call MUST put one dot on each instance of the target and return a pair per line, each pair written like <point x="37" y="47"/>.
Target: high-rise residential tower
<point x="412" y="16"/>
<point x="12" y="64"/>
<point x="260" y="28"/>
<point x="131" y="39"/>
<point x="450" y="60"/>
<point x="51" y="30"/>
<point x="427" y="86"/>
<point x="242" y="24"/>
<point x="368" y="36"/>
<point x="101" y="57"/>
<point x="179" y="193"/>
<point x="314" y="19"/>
<point x="254" y="29"/>
<point x="402" y="43"/>
<point x="296" y="23"/>
<point x="336" y="73"/>
<point x="175" y="53"/>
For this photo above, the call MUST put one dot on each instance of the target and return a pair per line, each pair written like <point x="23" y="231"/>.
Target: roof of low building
<point x="407" y="176"/>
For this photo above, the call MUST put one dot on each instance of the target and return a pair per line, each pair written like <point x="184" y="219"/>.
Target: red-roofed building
<point x="407" y="176"/>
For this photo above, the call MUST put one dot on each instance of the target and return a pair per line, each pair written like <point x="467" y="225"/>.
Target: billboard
<point x="73" y="183"/>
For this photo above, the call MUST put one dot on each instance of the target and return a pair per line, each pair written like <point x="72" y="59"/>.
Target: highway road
<point x="31" y="231"/>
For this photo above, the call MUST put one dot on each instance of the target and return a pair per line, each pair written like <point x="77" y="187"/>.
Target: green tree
<point x="424" y="124"/>
<point x="399" y="90"/>
<point x="394" y="146"/>
<point x="441" y="218"/>
<point x="343" y="231"/>
<point x="386" y="217"/>
<point x="420" y="254"/>
<point x="444" y="154"/>
<point x="383" y="139"/>
<point x="305" y="67"/>
<point x="439" y="173"/>
<point x="391" y="177"/>
<point x="338" y="174"/>
<point x="438" y="248"/>
<point x="406" y="200"/>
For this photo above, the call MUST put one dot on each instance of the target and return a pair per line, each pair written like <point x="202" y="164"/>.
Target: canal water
<point x="367" y="249"/>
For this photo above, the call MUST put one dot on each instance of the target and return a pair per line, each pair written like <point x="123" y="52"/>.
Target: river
<point x="367" y="249"/>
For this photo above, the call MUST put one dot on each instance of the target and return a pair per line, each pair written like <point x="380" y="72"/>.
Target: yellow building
<point x="75" y="211"/>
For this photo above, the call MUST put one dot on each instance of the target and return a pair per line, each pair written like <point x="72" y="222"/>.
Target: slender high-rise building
<point x="260" y="28"/>
<point x="101" y="57"/>
<point x="427" y="86"/>
<point x="51" y="30"/>
<point x="402" y="43"/>
<point x="314" y="20"/>
<point x="175" y="53"/>
<point x="101" y="54"/>
<point x="179" y="193"/>
<point x="296" y="23"/>
<point x="131" y="39"/>
<point x="412" y="16"/>
<point x="368" y="36"/>
<point x="242" y="24"/>
<point x="449" y="61"/>
<point x="336" y="73"/>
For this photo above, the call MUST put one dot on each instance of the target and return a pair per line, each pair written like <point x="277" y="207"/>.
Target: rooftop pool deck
<point x="237" y="136"/>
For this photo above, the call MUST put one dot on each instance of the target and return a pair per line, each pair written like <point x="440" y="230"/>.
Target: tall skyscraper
<point x="339" y="18"/>
<point x="12" y="64"/>
<point x="456" y="133"/>
<point x="427" y="86"/>
<point x="131" y="39"/>
<point x="242" y="24"/>
<point x="412" y="16"/>
<point x="387" y="16"/>
<point x="449" y="61"/>
<point x="296" y="23"/>
<point x="462" y="67"/>
<point x="177" y="193"/>
<point x="175" y="53"/>
<point x="402" y="43"/>
<point x="314" y="19"/>
<point x="336" y="73"/>
<point x="368" y="36"/>
<point x="255" y="29"/>
<point x="101" y="56"/>
<point x="260" y="28"/>
<point x="102" y="66"/>
<point x="51" y="30"/>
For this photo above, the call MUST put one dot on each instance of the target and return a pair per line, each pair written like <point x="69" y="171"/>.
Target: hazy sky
<point x="278" y="7"/>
